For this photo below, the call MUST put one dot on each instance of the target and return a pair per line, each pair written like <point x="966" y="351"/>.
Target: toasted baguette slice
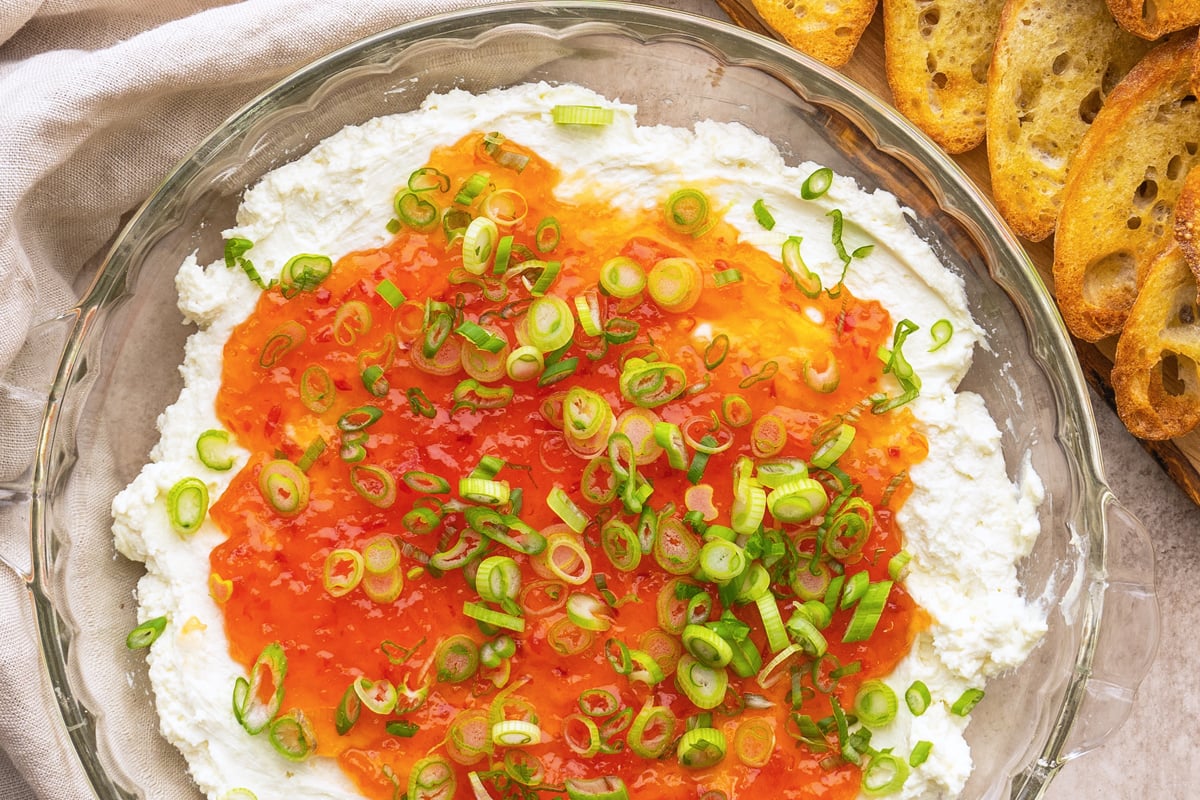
<point x="1120" y="194"/>
<point x="1054" y="62"/>
<point x="1187" y="220"/>
<point x="937" y="56"/>
<point x="827" y="30"/>
<point x="1151" y="19"/>
<point x="1154" y="375"/>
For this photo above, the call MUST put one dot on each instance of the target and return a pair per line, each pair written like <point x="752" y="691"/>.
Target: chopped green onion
<point x="479" y="243"/>
<point x="854" y="588"/>
<point x="763" y="215"/>
<point x="817" y="184"/>
<point x="797" y="500"/>
<point x="428" y="178"/>
<point x="284" y="486"/>
<point x="212" y="448"/>
<point x="516" y="733"/>
<point x="269" y="671"/>
<point x="303" y="273"/>
<point x="374" y="381"/>
<point x="652" y="731"/>
<point x="432" y="778"/>
<point x="425" y="482"/>
<point x="581" y="735"/>
<point x="897" y="563"/>
<point x="471" y="188"/>
<point x="706" y="646"/>
<point x="966" y="702"/>
<point x="498" y="579"/>
<point x="675" y="284"/>
<point x="566" y="510"/>
<point x="486" y="492"/>
<point x="686" y="211"/>
<point x="280" y="342"/>
<point x="834" y="446"/>
<point x="701" y="748"/>
<point x="348" y="711"/>
<point x="726" y="277"/>
<point x="917" y="698"/>
<point x="621" y="545"/>
<point x="146" y="634"/>
<point x="768" y="610"/>
<point x="456" y="659"/>
<point x="885" y="773"/>
<point x="875" y="704"/>
<point x="769" y="436"/>
<point x="721" y="561"/>
<point x="705" y="686"/>
<point x="549" y="323"/>
<point x="649" y="384"/>
<point x="317" y="391"/>
<point x="607" y="787"/>
<point x="292" y="736"/>
<point x="587" y="612"/>
<point x="867" y="612"/>
<point x="920" y="753"/>
<point x="343" y="571"/>
<point x="940" y="331"/>
<point x="547" y="235"/>
<point x="373" y="484"/>
<point x="566" y="557"/>
<point x="187" y="505"/>
<point x="491" y="617"/>
<point x="754" y="742"/>
<point x="676" y="549"/>
<point x="564" y="114"/>
<point x="524" y="363"/>
<point x="622" y="277"/>
<point x="802" y="277"/>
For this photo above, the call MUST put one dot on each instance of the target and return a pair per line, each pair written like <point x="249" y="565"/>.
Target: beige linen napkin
<point x="98" y="99"/>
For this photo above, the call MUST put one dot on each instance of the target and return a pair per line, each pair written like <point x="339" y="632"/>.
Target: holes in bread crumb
<point x="1145" y="193"/>
<point x="843" y="32"/>
<point x="1089" y="107"/>
<point x="1111" y="281"/>
<point x="939" y="80"/>
<point x="1187" y="314"/>
<point x="1174" y="369"/>
<point x="1133" y="223"/>
<point x="1149" y="13"/>
<point x="1161" y="213"/>
<point x="929" y="20"/>
<point x="1174" y="168"/>
<point x="1112" y="74"/>
<point x="979" y="70"/>
<point x="1060" y="63"/>
<point x="1191" y="147"/>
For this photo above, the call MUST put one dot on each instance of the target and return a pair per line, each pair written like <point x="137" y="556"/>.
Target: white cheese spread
<point x="967" y="525"/>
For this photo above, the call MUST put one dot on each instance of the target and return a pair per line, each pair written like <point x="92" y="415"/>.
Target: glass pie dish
<point x="1091" y="568"/>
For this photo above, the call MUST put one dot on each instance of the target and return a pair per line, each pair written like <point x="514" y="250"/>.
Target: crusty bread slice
<point x="1154" y="375"/>
<point x="936" y="53"/>
<point x="1152" y="19"/>
<point x="1053" y="64"/>
<point x="827" y="30"/>
<point x="1187" y="220"/>
<point x="1120" y="193"/>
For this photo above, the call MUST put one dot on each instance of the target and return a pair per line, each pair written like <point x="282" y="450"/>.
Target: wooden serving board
<point x="1180" y="458"/>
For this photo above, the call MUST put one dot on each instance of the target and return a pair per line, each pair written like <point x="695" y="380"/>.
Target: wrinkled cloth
<point x="98" y="100"/>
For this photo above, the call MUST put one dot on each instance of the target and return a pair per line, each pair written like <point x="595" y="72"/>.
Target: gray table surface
<point x="1152" y="756"/>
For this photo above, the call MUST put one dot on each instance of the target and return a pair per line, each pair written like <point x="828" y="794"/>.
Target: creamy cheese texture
<point x="967" y="523"/>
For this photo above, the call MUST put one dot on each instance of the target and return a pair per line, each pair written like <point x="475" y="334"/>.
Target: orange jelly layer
<point x="274" y="564"/>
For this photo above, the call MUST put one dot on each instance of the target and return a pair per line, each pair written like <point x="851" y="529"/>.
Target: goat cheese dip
<point x="735" y="529"/>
